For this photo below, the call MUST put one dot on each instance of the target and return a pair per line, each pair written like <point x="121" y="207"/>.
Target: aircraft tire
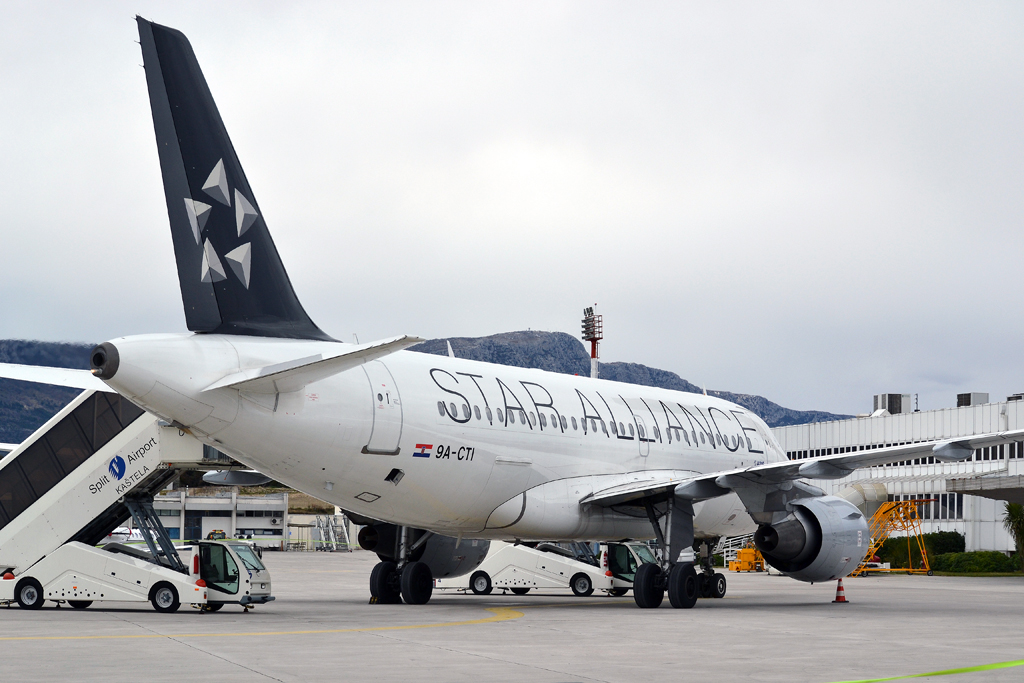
<point x="683" y="587"/>
<point x="718" y="586"/>
<point x="417" y="583"/>
<point x="382" y="583"/>
<point x="520" y="590"/>
<point x="79" y="604"/>
<point x="29" y="594"/>
<point x="480" y="583"/>
<point x="213" y="606"/>
<point x="704" y="585"/>
<point x="618" y="592"/>
<point x="647" y="590"/>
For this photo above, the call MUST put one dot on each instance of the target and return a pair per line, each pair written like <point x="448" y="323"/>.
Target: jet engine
<point x="445" y="556"/>
<point x="822" y="539"/>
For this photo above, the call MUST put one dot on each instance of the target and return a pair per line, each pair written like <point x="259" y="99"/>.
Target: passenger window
<point x="543" y="419"/>
<point x="604" y="427"/>
<point x="489" y="418"/>
<point x="454" y="413"/>
<point x="501" y="416"/>
<point x="574" y="424"/>
<point x="615" y="430"/>
<point x="533" y="420"/>
<point x="512" y="417"/>
<point x="476" y="411"/>
<point x="583" y="423"/>
<point x="440" y="408"/>
<point x="465" y="411"/>
<point x="631" y="429"/>
<point x="554" y="420"/>
<point x="563" y="423"/>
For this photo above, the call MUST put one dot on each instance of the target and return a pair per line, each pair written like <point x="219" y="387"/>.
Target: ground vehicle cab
<point x="232" y="572"/>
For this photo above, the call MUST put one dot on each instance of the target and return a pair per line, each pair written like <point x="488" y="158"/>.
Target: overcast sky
<point x="812" y="203"/>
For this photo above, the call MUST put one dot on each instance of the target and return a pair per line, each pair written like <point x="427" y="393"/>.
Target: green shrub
<point x="983" y="561"/>
<point x="894" y="550"/>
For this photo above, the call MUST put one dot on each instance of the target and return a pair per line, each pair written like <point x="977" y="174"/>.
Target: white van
<point x="520" y="568"/>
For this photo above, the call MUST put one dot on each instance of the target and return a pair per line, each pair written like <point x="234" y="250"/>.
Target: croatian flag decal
<point x="422" y="450"/>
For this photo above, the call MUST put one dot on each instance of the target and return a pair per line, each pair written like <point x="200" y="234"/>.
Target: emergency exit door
<point x="387" y="410"/>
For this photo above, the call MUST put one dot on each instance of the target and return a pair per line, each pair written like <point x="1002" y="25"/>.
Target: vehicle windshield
<point x="248" y="557"/>
<point x="644" y="553"/>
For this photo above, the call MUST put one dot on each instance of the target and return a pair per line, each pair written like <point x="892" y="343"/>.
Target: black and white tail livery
<point x="232" y="279"/>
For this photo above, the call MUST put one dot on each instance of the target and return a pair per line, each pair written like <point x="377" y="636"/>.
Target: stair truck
<point x="80" y="476"/>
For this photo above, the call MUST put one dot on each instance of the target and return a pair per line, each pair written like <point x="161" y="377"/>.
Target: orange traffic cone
<point x="841" y="594"/>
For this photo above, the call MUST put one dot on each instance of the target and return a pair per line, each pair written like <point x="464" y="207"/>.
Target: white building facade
<point x="980" y="519"/>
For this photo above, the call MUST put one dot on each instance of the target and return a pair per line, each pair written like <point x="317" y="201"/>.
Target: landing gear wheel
<point x="417" y="583"/>
<point x="647" y="589"/>
<point x="704" y="585"/>
<point x="520" y="590"/>
<point x="212" y="606"/>
<point x="718" y="586"/>
<point x="682" y="586"/>
<point x="79" y="604"/>
<point x="383" y="585"/>
<point x="29" y="594"/>
<point x="164" y="598"/>
<point x="480" y="583"/>
<point x="581" y="585"/>
<point x="618" y="592"/>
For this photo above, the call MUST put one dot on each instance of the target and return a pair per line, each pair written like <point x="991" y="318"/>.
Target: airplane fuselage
<point x="447" y="444"/>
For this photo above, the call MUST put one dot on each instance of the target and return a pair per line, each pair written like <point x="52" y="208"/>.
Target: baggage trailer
<point x="520" y="568"/>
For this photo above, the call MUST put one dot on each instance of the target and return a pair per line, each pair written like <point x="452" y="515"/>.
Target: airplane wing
<point x="295" y="374"/>
<point x="64" y="377"/>
<point x="704" y="486"/>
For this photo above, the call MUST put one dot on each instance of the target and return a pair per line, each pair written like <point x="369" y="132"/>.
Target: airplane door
<point x="644" y="434"/>
<point x="387" y="410"/>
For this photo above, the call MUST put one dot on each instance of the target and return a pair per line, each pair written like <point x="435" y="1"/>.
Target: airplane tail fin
<point x="231" y="277"/>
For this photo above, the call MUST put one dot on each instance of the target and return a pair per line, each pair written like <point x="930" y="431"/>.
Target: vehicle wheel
<point x="29" y="594"/>
<point x="931" y="573"/>
<point x="520" y="590"/>
<point x="618" y="592"/>
<point x="682" y="586"/>
<point x="164" y="598"/>
<point x="718" y="586"/>
<point x="480" y="583"/>
<point x="417" y="583"/>
<point x="704" y="585"/>
<point x="581" y="585"/>
<point x="383" y="585"/>
<point x="79" y="604"/>
<point x="213" y="606"/>
<point x="647" y="590"/>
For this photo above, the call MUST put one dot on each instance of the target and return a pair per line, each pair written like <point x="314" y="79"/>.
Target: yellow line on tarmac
<point x="946" y="672"/>
<point x="500" y="614"/>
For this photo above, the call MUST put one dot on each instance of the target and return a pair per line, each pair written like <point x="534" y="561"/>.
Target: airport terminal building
<point x="968" y="496"/>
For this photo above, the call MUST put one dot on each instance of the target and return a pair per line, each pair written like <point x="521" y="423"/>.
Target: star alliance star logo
<point x="238" y="259"/>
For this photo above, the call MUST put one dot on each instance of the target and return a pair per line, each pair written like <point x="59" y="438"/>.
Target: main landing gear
<point x="392" y="583"/>
<point x="681" y="580"/>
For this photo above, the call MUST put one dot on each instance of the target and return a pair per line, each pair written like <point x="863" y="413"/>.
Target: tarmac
<point x="321" y="627"/>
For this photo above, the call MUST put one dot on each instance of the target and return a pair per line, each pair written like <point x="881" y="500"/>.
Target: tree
<point x="1013" y="522"/>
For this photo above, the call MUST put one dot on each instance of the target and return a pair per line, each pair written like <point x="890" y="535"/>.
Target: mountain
<point x="560" y="352"/>
<point x="24" y="406"/>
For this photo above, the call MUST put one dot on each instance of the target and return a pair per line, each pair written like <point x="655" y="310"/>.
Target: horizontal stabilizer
<point x="62" y="377"/>
<point x="293" y="375"/>
<point x="236" y="478"/>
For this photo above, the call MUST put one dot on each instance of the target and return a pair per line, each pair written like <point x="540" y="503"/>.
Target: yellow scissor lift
<point x="890" y="518"/>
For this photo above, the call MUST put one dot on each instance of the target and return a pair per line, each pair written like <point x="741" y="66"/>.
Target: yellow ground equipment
<point x="894" y="517"/>
<point x="747" y="560"/>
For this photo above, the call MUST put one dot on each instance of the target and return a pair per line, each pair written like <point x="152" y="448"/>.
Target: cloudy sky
<point x="810" y="203"/>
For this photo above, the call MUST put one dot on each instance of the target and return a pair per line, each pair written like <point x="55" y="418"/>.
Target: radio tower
<point x="593" y="332"/>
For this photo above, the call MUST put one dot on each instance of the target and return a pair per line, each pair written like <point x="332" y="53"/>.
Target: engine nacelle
<point x="821" y="540"/>
<point x="438" y="552"/>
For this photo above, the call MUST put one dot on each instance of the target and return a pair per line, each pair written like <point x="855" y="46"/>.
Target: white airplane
<point x="436" y="452"/>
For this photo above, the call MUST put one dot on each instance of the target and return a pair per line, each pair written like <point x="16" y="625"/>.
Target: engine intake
<point x="822" y="539"/>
